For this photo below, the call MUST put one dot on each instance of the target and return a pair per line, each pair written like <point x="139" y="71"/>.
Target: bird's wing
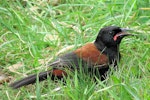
<point x="66" y="60"/>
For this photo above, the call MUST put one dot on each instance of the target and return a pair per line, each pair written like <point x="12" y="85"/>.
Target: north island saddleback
<point x="98" y="55"/>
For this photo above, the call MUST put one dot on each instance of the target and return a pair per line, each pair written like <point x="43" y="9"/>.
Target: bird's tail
<point x="30" y="79"/>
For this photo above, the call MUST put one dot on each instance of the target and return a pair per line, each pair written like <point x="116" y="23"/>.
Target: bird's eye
<point x="110" y="32"/>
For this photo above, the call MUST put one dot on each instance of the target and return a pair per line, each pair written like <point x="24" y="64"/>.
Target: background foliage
<point x="33" y="31"/>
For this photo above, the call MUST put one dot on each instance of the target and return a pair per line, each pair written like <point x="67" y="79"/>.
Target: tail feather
<point x="30" y="79"/>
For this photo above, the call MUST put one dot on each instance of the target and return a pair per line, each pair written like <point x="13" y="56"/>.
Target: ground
<point x="34" y="32"/>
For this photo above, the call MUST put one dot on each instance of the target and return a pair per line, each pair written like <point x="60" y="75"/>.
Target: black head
<point x="111" y="35"/>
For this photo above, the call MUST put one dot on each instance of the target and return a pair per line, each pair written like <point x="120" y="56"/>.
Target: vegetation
<point x="32" y="32"/>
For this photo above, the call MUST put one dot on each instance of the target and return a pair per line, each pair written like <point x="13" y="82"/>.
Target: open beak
<point x="126" y="29"/>
<point x="123" y="33"/>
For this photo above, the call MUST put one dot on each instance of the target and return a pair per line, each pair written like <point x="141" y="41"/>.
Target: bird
<point x="100" y="54"/>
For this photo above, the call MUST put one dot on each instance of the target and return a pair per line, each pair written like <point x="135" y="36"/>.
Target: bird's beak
<point x="123" y="33"/>
<point x="126" y="29"/>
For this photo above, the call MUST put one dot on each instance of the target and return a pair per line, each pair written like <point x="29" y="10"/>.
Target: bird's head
<point x="111" y="35"/>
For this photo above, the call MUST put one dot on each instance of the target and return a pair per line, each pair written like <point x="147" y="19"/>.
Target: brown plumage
<point x="90" y="53"/>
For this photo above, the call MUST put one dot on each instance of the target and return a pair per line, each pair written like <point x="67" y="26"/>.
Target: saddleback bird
<point x="100" y="54"/>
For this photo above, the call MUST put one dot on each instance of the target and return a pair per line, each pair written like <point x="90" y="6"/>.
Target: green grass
<point x="34" y="30"/>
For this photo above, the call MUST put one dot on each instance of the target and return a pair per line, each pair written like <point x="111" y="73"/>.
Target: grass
<point x="33" y="31"/>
